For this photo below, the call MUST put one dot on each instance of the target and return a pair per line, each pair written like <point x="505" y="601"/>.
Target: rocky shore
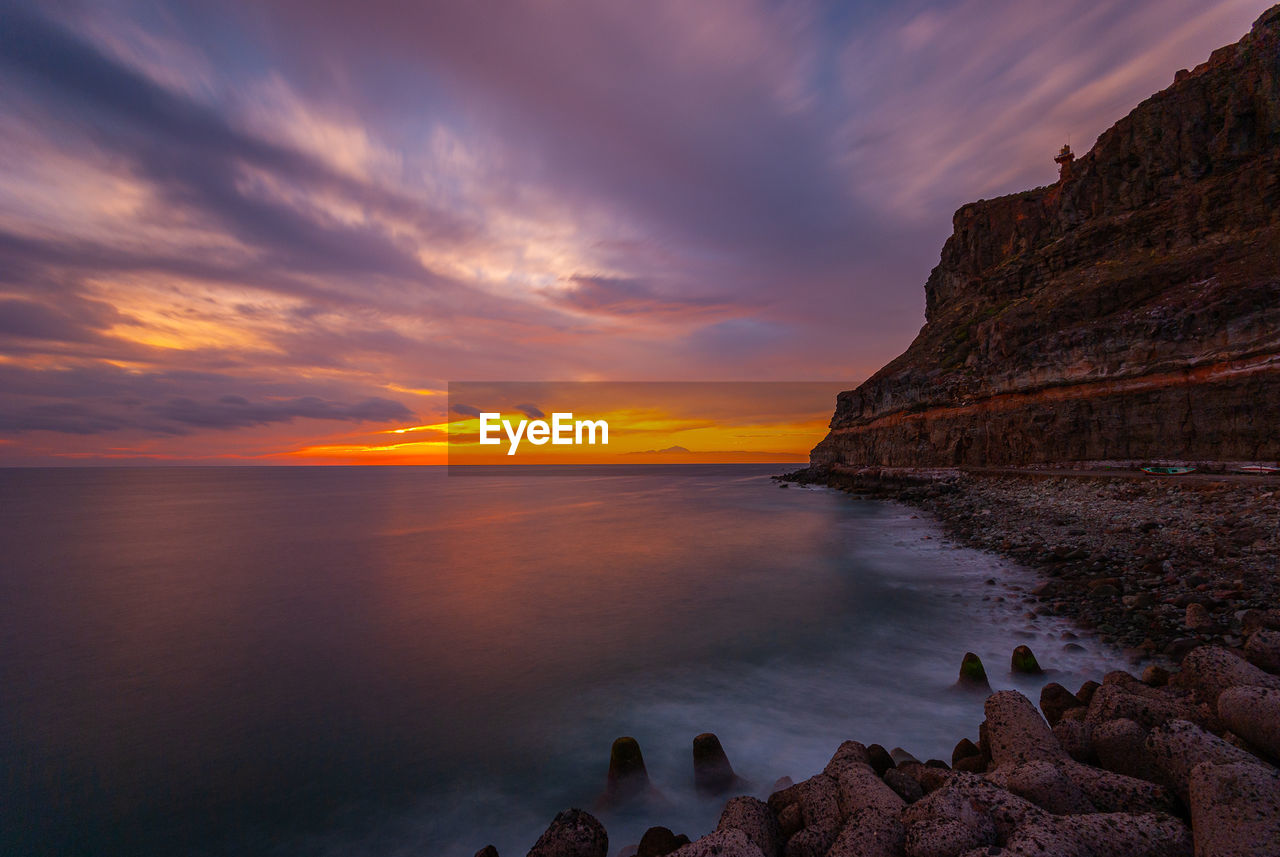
<point x="1179" y="761"/>
<point x="1156" y="566"/>
<point x="1175" y="763"/>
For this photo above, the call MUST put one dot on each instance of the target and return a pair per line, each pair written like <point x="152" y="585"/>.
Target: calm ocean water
<point x="392" y="661"/>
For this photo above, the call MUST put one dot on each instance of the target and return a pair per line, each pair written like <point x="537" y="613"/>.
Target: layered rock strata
<point x="1130" y="311"/>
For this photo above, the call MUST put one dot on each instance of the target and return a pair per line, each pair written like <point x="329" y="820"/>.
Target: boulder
<point x="870" y="833"/>
<point x="901" y="756"/>
<point x="820" y="814"/>
<point x="1121" y="746"/>
<point x="1076" y="737"/>
<point x="1262" y="649"/>
<point x="1209" y="670"/>
<point x="964" y="750"/>
<point x="752" y="817"/>
<point x="1017" y="733"/>
<point x="1055" y="700"/>
<point x="790" y="821"/>
<point x="1178" y="746"/>
<point x="881" y="761"/>
<point x="1112" y="792"/>
<point x="929" y="777"/>
<point x="1046" y="785"/>
<point x="721" y="843"/>
<point x="1148" y="707"/>
<point x="487" y="851"/>
<point x="1198" y="618"/>
<point x="573" y="833"/>
<point x="1235" y="809"/>
<point x="1155" y="676"/>
<point x="1085" y="693"/>
<point x="659" y="842"/>
<point x="968" y="812"/>
<point x="1115" y="834"/>
<point x="1253" y="713"/>
<point x="904" y="785"/>
<point x="857" y="786"/>
<point x="848" y="753"/>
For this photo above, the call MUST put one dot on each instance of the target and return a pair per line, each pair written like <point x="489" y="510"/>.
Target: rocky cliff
<point x="1130" y="311"/>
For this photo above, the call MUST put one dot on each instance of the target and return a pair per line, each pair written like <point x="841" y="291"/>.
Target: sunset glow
<point x="240" y="233"/>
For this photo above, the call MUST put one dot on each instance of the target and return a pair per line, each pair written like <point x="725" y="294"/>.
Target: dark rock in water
<point x="1024" y="662"/>
<point x="487" y="851"/>
<point x="966" y="749"/>
<point x="1055" y="700"/>
<point x="973" y="676"/>
<point x="712" y="773"/>
<point x="659" y="842"/>
<point x="573" y="833"/>
<point x="1085" y="693"/>
<point x="881" y="761"/>
<point x="628" y="778"/>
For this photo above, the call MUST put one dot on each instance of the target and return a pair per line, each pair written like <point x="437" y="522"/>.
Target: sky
<point x="274" y="232"/>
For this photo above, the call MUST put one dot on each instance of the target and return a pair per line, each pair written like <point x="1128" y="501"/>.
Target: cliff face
<point x="1130" y="312"/>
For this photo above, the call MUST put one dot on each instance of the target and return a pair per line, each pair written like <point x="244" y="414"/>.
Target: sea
<point x="262" y="661"/>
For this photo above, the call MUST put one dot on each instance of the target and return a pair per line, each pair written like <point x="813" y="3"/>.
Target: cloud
<point x="267" y="216"/>
<point x="236" y="412"/>
<point x="630" y="298"/>
<point x="180" y="416"/>
<point x="531" y="411"/>
<point x="94" y="399"/>
<point x="198" y="159"/>
<point x="26" y="319"/>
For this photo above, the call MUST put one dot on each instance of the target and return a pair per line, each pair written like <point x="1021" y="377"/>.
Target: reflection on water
<point x="388" y="660"/>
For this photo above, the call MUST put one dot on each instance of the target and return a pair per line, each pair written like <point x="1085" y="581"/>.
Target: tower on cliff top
<point x="1064" y="160"/>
